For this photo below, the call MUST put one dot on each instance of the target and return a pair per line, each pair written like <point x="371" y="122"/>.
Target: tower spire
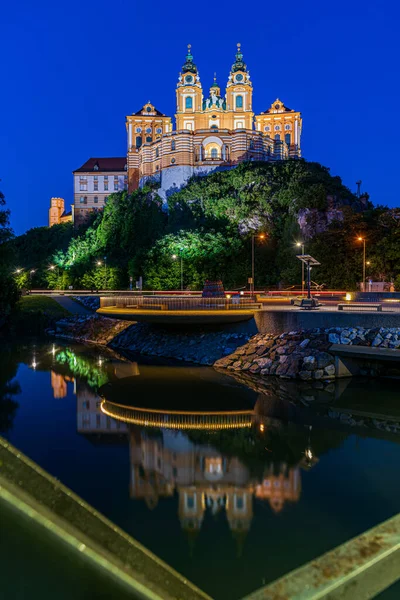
<point x="239" y="64"/>
<point x="189" y="66"/>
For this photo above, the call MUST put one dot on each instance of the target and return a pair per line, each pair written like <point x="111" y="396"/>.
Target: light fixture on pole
<point x="301" y="245"/>
<point x="260" y="236"/>
<point x="362" y="239"/>
<point x="174" y="257"/>
<point x="309" y="302"/>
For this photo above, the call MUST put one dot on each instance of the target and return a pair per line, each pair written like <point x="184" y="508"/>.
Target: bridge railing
<point x="178" y="303"/>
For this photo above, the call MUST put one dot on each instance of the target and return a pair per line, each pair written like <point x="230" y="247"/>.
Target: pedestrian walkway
<point x="73" y="307"/>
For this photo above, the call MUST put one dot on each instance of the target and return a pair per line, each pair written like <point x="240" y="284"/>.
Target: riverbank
<point x="302" y="354"/>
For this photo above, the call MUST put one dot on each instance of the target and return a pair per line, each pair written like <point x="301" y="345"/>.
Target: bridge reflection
<point x="182" y="420"/>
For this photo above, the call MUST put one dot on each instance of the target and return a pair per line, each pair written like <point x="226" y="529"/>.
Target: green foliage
<point x="210" y="224"/>
<point x="9" y="293"/>
<point x="205" y="254"/>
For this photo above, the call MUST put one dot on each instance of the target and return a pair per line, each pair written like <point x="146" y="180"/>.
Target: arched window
<point x="189" y="102"/>
<point x="138" y="141"/>
<point x="287" y="138"/>
<point x="278" y="136"/>
<point x="214" y="153"/>
<point x="239" y="101"/>
<point x="157" y="152"/>
<point x="173" y="145"/>
<point x="213" y="127"/>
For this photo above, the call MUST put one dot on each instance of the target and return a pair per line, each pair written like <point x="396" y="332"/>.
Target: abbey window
<point x="189" y="102"/>
<point x="239" y="101"/>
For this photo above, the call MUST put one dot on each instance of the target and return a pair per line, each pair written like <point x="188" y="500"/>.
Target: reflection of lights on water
<point x="308" y="454"/>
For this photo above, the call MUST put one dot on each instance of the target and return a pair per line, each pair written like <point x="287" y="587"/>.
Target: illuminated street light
<point x="260" y="236"/>
<point x="174" y="257"/>
<point x="362" y="239"/>
<point x="301" y="245"/>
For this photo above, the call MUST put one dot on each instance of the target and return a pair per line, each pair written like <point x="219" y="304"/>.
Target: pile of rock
<point x="92" y="328"/>
<point x="303" y="354"/>
<point x="90" y="302"/>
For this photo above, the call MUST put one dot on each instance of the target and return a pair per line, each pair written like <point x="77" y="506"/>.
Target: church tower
<point x="189" y="95"/>
<point x="239" y="94"/>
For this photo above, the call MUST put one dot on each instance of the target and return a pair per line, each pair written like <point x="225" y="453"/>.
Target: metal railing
<point x="178" y="303"/>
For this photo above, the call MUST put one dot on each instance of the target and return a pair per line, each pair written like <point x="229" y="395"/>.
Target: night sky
<point x="72" y="71"/>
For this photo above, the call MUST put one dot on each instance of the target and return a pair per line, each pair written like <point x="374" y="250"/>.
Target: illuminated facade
<point x="94" y="181"/>
<point x="213" y="131"/>
<point x="57" y="212"/>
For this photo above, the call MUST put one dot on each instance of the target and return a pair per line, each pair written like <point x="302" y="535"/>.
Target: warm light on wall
<point x="348" y="297"/>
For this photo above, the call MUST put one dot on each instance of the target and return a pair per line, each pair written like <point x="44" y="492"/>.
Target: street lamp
<point x="362" y="239"/>
<point x="31" y="273"/>
<point x="301" y="245"/>
<point x="260" y="236"/>
<point x="174" y="257"/>
<point x="99" y="263"/>
<point x="52" y="268"/>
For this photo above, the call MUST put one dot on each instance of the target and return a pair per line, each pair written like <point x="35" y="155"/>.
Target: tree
<point x="8" y="289"/>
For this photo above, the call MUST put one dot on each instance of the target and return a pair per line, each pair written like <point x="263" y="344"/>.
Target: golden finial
<point x="238" y="46"/>
<point x="189" y="47"/>
<point x="215" y="76"/>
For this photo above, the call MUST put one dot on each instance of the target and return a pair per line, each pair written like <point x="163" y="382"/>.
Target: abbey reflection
<point x="164" y="463"/>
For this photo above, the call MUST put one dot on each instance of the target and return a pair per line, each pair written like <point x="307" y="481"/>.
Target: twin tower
<point x="213" y="132"/>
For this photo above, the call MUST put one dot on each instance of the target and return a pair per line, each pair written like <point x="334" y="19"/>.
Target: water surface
<point x="233" y="501"/>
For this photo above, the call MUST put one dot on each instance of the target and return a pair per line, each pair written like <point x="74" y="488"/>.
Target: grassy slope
<point x="35" y="313"/>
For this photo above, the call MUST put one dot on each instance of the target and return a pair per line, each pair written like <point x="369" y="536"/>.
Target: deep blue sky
<point x="72" y="71"/>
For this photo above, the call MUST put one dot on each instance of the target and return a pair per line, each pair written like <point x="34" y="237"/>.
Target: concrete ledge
<point x="177" y="317"/>
<point x="358" y="569"/>
<point x="277" y="321"/>
<point x="34" y="492"/>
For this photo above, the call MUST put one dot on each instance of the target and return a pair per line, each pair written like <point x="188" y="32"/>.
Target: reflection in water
<point x="162" y="477"/>
<point x="164" y="463"/>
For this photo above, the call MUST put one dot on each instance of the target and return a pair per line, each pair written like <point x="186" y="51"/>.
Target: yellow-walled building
<point x="213" y="131"/>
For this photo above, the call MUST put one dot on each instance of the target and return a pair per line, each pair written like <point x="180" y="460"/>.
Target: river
<point x="230" y="486"/>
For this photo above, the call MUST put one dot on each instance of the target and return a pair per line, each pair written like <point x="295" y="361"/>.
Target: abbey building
<point x="214" y="130"/>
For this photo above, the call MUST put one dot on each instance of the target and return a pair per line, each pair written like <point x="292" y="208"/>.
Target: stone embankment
<point x="90" y="302"/>
<point x="295" y="355"/>
<point x="303" y="354"/>
<point x="199" y="346"/>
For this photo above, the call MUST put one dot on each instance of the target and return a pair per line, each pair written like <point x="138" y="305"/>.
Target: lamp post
<point x="52" y="268"/>
<point x="99" y="263"/>
<point x="174" y="256"/>
<point x="301" y="245"/>
<point x="362" y="239"/>
<point x="31" y="273"/>
<point x="261" y="236"/>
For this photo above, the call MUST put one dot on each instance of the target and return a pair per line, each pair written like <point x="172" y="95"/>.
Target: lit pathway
<point x="73" y="307"/>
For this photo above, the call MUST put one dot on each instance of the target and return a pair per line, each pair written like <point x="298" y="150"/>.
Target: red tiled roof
<point x="117" y="163"/>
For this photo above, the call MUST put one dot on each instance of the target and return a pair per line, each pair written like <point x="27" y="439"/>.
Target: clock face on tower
<point x="239" y="77"/>
<point x="188" y="79"/>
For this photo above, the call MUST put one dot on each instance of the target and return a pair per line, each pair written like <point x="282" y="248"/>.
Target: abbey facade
<point x="213" y="132"/>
